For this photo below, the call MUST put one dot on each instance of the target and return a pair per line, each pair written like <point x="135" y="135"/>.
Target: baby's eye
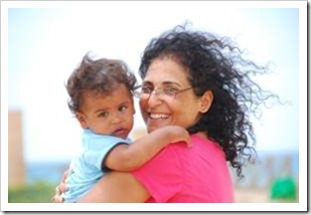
<point x="104" y="114"/>
<point x="122" y="108"/>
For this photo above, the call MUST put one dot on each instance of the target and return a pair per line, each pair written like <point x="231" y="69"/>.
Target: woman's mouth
<point x="157" y="120"/>
<point x="157" y="116"/>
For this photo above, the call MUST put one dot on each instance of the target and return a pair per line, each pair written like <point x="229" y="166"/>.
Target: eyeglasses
<point x="162" y="93"/>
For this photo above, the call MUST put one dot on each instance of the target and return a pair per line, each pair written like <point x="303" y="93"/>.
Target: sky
<point x="46" y="42"/>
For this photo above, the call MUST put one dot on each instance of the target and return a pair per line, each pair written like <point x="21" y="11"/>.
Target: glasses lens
<point x="162" y="93"/>
<point x="170" y="92"/>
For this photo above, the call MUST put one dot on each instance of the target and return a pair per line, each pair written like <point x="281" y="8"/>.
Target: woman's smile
<point x="158" y="116"/>
<point x="158" y="120"/>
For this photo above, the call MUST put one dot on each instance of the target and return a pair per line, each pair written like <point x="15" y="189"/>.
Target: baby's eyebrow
<point x="101" y="110"/>
<point x="124" y="103"/>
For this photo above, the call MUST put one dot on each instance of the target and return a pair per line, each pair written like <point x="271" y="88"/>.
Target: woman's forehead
<point x="166" y="71"/>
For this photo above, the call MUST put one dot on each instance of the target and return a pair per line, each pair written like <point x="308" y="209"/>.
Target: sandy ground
<point x="255" y="195"/>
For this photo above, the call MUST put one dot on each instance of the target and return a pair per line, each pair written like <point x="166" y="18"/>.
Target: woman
<point x="200" y="82"/>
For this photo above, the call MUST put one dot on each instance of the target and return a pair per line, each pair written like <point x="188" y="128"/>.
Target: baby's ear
<point x="82" y="120"/>
<point x="206" y="101"/>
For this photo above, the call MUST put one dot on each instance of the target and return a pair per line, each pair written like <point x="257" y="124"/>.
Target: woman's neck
<point x="202" y="134"/>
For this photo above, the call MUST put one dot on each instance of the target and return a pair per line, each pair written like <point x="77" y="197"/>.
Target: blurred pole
<point x="15" y="159"/>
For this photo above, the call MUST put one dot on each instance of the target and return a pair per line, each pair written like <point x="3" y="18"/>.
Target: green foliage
<point x="284" y="189"/>
<point x="40" y="192"/>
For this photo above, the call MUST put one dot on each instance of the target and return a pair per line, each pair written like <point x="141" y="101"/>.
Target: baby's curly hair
<point x="215" y="63"/>
<point x="99" y="76"/>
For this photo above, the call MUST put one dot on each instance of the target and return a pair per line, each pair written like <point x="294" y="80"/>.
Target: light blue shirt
<point x="86" y="168"/>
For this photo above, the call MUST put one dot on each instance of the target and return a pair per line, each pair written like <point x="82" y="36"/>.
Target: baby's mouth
<point x="120" y="132"/>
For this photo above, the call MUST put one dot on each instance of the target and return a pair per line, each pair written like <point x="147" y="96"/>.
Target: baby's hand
<point x="61" y="188"/>
<point x="178" y="133"/>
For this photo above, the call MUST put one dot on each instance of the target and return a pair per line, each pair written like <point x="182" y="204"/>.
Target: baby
<point x="101" y="98"/>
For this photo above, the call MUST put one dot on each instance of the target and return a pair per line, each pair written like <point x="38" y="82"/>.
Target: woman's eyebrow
<point x="164" y="83"/>
<point x="147" y="83"/>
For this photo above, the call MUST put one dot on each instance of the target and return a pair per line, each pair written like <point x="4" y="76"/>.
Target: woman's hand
<point x="61" y="188"/>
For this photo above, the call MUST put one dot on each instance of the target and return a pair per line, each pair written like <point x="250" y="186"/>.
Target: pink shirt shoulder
<point x="182" y="174"/>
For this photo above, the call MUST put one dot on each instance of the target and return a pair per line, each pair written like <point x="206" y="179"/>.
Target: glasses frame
<point x="158" y="92"/>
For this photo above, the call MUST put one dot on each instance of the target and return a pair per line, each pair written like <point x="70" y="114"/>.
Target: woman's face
<point x="160" y="109"/>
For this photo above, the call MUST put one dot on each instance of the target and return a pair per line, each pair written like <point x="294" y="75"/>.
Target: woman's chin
<point x="154" y="125"/>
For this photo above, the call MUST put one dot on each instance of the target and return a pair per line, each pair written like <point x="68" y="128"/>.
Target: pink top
<point x="182" y="174"/>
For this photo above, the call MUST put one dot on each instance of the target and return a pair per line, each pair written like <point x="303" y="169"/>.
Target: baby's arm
<point x="129" y="157"/>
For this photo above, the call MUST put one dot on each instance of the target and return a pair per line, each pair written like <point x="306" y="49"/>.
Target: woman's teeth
<point x="158" y="116"/>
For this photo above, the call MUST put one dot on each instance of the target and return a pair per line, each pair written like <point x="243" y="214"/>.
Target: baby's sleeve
<point x="99" y="148"/>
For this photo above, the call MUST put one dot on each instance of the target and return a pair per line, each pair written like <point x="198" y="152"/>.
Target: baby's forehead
<point x="119" y="95"/>
<point x="115" y="88"/>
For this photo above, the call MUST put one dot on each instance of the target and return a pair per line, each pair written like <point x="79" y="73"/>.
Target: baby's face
<point x="108" y="114"/>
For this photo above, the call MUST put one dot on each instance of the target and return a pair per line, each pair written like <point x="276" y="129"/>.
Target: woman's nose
<point x="154" y="99"/>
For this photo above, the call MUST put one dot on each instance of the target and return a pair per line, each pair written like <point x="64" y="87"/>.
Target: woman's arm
<point x="129" y="157"/>
<point x="162" y="177"/>
<point x="117" y="187"/>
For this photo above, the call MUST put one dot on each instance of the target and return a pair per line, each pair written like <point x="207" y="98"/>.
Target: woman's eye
<point x="146" y="89"/>
<point x="171" y="91"/>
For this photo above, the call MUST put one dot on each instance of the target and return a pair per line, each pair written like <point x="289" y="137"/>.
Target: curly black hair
<point x="215" y="63"/>
<point x="99" y="76"/>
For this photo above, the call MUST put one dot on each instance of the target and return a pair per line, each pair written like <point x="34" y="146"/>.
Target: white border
<point x="301" y="206"/>
<point x="4" y="107"/>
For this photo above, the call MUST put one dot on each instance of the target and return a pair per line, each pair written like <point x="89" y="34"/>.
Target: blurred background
<point x="45" y="44"/>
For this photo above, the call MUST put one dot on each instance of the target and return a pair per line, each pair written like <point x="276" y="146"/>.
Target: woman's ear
<point x="82" y="119"/>
<point x="206" y="101"/>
